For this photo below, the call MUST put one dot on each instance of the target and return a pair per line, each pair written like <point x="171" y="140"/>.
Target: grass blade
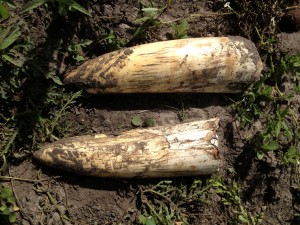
<point x="76" y="6"/>
<point x="10" y="39"/>
<point x="3" y="12"/>
<point x="33" y="4"/>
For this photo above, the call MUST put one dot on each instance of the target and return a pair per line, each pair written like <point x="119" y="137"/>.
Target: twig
<point x="209" y="14"/>
<point x="20" y="179"/>
<point x="18" y="202"/>
<point x="152" y="209"/>
<point x="157" y="193"/>
<point x="293" y="7"/>
<point x="195" y="15"/>
<point x="66" y="196"/>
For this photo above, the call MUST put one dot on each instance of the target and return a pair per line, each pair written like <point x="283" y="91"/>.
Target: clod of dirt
<point x="290" y="21"/>
<point x="289" y="43"/>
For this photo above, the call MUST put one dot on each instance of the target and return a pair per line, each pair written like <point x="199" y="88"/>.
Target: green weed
<point x="8" y="36"/>
<point x="32" y="128"/>
<point x="8" y="206"/>
<point x="137" y="121"/>
<point x="13" y="50"/>
<point x="231" y="198"/>
<point x="53" y="124"/>
<point x="150" y="13"/>
<point x="167" y="203"/>
<point x="180" y="30"/>
<point x="76" y="50"/>
<point x="63" y="6"/>
<point x="275" y="109"/>
<point x="170" y="203"/>
<point x="110" y="41"/>
<point x="4" y="12"/>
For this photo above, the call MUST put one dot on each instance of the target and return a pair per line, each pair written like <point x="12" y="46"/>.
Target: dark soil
<point x="266" y="187"/>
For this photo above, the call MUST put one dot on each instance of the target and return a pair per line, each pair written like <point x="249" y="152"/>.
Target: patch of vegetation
<point x="111" y="41"/>
<point x="63" y="6"/>
<point x="32" y="98"/>
<point x="269" y="102"/>
<point x="231" y="198"/>
<point x="137" y="121"/>
<point x="180" y="30"/>
<point x="176" y="203"/>
<point x="4" y="11"/>
<point x="150" y="13"/>
<point x="273" y="104"/>
<point x="76" y="50"/>
<point x="7" y="205"/>
<point x="168" y="203"/>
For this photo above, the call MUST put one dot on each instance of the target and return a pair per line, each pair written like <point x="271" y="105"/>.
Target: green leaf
<point x="13" y="36"/>
<point x="4" y="12"/>
<point x="142" y="219"/>
<point x="296" y="64"/>
<point x="137" y="121"/>
<point x="271" y="146"/>
<point x="16" y="62"/>
<point x="37" y="3"/>
<point x="79" y="58"/>
<point x="62" y="9"/>
<point x="150" y="10"/>
<point x="4" y="32"/>
<point x="11" y="199"/>
<point x="292" y="155"/>
<point x="3" y="207"/>
<point x="181" y="29"/>
<point x="76" y="6"/>
<point x="149" y="123"/>
<point x="260" y="155"/>
<point x="6" y="211"/>
<point x="87" y="42"/>
<point x="34" y="4"/>
<point x="242" y="219"/>
<point x="10" y="3"/>
<point x="5" y="193"/>
<point x="12" y="218"/>
<point x="142" y="20"/>
<point x="277" y="128"/>
<point x="267" y="93"/>
<point x="54" y="78"/>
<point x="150" y="221"/>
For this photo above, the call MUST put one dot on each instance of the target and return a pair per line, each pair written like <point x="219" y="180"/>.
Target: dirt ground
<point x="267" y="188"/>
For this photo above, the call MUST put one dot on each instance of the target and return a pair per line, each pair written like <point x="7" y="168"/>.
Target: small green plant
<point x="13" y="49"/>
<point x="4" y="13"/>
<point x="8" y="36"/>
<point x="8" y="206"/>
<point x="138" y="122"/>
<point x="276" y="111"/>
<point x="63" y="6"/>
<point x="150" y="14"/>
<point x="168" y="203"/>
<point x="231" y="198"/>
<point x="52" y="125"/>
<point x="146" y="220"/>
<point x="291" y="64"/>
<point x="111" y="41"/>
<point x="76" y="50"/>
<point x="180" y="30"/>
